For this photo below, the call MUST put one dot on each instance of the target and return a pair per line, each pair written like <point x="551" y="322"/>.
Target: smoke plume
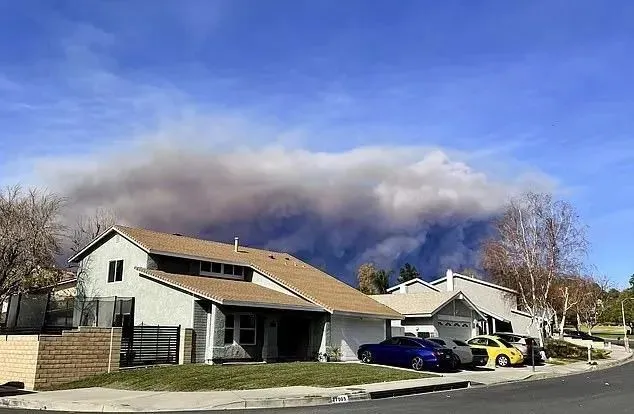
<point x="334" y="210"/>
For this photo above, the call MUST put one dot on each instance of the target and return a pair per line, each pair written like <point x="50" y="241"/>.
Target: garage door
<point x="454" y="329"/>
<point x="348" y="333"/>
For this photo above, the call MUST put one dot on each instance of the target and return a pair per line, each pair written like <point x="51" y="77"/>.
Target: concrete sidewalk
<point x="102" y="399"/>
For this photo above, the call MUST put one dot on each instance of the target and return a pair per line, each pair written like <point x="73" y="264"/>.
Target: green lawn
<point x="241" y="377"/>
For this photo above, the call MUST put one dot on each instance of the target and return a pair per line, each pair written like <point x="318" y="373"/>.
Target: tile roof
<point x="229" y="291"/>
<point x="422" y="303"/>
<point x="299" y="277"/>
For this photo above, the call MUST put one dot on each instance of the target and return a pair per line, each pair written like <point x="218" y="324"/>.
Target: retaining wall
<point x="43" y="361"/>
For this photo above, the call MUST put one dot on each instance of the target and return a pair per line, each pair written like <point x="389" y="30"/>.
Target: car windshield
<point x="459" y="342"/>
<point x="505" y="343"/>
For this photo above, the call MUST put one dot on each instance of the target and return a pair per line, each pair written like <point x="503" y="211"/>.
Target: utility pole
<point x="626" y="341"/>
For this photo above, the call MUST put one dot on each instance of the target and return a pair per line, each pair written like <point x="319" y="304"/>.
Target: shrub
<point x="556" y="348"/>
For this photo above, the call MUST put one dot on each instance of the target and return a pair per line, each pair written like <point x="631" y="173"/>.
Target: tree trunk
<point x="557" y="324"/>
<point x="578" y="322"/>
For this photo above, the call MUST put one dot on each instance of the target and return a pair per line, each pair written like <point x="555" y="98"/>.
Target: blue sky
<point x="539" y="85"/>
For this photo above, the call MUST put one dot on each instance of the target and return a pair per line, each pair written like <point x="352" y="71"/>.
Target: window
<point x="409" y="343"/>
<point x="216" y="267"/>
<point x="478" y="341"/>
<point x="238" y="271"/>
<point x="390" y="341"/>
<point x="492" y="343"/>
<point x="228" y="269"/>
<point x="424" y="334"/>
<point x="245" y="327"/>
<point x="459" y="342"/>
<point x="205" y="266"/>
<point x="505" y="343"/>
<point x="247" y="330"/>
<point x="115" y="271"/>
<point x="229" y="329"/>
<point x="438" y="341"/>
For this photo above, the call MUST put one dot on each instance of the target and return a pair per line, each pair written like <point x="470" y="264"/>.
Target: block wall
<point x="77" y="354"/>
<point x="18" y="359"/>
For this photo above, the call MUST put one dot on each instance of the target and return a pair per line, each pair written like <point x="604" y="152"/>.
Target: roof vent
<point x="177" y="234"/>
<point x="271" y="256"/>
<point x="236" y="243"/>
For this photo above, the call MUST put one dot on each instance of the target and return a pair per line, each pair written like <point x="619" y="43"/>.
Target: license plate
<point x="447" y="356"/>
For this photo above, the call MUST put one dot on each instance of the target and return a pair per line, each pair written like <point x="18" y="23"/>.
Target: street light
<point x="625" y="338"/>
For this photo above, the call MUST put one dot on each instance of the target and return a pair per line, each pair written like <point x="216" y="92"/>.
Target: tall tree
<point x="407" y="272"/>
<point x="632" y="282"/>
<point x="366" y="276"/>
<point x="382" y="281"/>
<point x="593" y="302"/>
<point x="30" y="235"/>
<point x="568" y="293"/>
<point x="537" y="240"/>
<point x="372" y="280"/>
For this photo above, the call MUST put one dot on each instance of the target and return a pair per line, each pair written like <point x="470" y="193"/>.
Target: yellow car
<point x="503" y="353"/>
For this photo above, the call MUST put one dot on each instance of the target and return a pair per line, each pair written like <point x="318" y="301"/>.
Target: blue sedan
<point x="416" y="353"/>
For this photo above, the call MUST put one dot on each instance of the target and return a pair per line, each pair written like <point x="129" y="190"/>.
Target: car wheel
<point x="366" y="357"/>
<point x="417" y="363"/>
<point x="502" y="361"/>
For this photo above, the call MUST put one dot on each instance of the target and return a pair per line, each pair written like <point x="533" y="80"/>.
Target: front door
<point x="293" y="338"/>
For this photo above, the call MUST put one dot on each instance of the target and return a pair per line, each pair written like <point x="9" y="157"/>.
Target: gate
<point x="149" y="345"/>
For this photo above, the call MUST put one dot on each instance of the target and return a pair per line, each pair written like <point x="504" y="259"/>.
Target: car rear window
<point x="505" y="343"/>
<point x="436" y="340"/>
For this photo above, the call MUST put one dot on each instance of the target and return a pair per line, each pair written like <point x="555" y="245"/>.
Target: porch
<point x="225" y="333"/>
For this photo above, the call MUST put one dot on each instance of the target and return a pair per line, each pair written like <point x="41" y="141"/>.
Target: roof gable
<point x="473" y="280"/>
<point x="411" y="282"/>
<point x="422" y="303"/>
<point x="295" y="275"/>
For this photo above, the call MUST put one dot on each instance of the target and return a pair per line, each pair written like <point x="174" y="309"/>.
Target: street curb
<point x="304" y="401"/>
<point x="422" y="389"/>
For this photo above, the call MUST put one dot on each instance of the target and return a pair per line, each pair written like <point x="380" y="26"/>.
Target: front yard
<point x="242" y="377"/>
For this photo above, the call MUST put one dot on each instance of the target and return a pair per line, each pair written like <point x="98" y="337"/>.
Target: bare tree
<point x="85" y="230"/>
<point x="593" y="301"/>
<point x="30" y="234"/>
<point x="537" y="240"/>
<point x="569" y="292"/>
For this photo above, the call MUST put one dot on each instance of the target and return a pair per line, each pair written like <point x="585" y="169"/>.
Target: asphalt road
<point x="610" y="391"/>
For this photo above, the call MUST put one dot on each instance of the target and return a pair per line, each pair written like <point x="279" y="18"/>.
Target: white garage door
<point x="454" y="329"/>
<point x="348" y="333"/>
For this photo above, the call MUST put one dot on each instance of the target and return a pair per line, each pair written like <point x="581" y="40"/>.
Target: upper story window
<point x="221" y="269"/>
<point x="115" y="271"/>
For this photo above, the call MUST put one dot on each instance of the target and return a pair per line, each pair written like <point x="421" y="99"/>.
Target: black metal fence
<point x="43" y="313"/>
<point x="150" y="345"/>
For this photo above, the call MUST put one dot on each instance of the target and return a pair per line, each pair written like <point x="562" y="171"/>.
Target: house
<point x="243" y="303"/>
<point x="497" y="304"/>
<point x="433" y="313"/>
<point x="50" y="305"/>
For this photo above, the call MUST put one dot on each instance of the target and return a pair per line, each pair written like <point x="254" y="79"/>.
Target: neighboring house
<point x="243" y="303"/>
<point x="497" y="302"/>
<point x="496" y="305"/>
<point x="46" y="306"/>
<point x="432" y="313"/>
